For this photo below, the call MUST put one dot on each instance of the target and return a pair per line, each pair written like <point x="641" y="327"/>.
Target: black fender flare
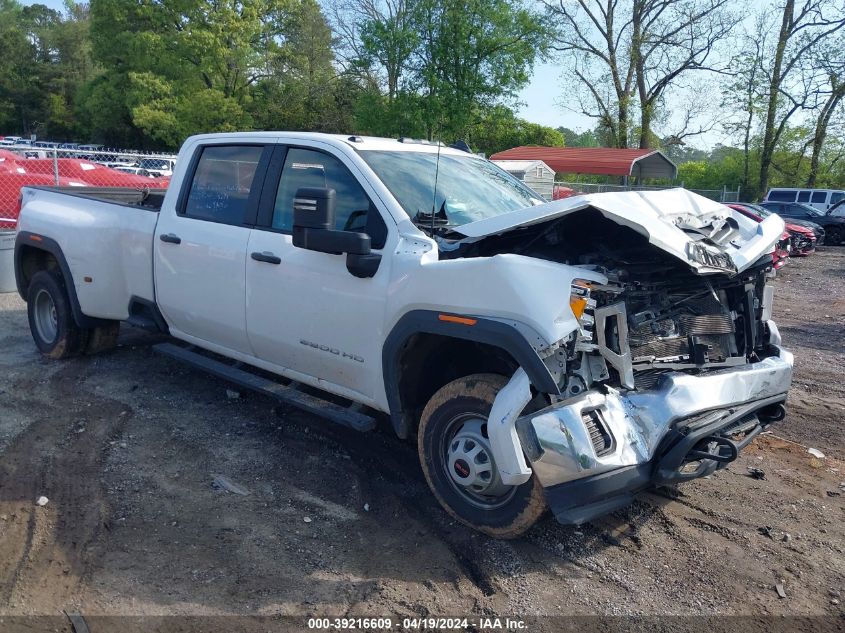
<point x="488" y="331"/>
<point x="49" y="245"/>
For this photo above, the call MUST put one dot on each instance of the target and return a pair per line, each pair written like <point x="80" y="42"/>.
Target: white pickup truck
<point x="565" y="355"/>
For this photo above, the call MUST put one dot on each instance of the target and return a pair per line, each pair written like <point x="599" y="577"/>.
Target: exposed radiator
<point x="670" y="337"/>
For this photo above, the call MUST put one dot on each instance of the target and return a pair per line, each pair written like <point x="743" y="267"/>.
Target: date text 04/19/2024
<point x="417" y="624"/>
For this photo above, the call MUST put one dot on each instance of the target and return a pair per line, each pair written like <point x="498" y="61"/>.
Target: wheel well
<point x="429" y="361"/>
<point x="31" y="260"/>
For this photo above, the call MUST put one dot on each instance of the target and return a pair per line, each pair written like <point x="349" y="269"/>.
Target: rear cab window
<point x="222" y="183"/>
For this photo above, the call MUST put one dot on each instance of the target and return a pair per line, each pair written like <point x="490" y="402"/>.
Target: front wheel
<point x="834" y="236"/>
<point x="458" y="463"/>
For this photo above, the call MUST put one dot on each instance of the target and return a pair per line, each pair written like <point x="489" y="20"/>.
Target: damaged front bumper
<point x="594" y="452"/>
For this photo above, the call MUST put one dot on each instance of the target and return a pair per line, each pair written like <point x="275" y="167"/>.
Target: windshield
<point x="468" y="188"/>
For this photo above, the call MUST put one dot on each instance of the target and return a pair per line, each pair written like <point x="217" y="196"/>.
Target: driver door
<point x="305" y="311"/>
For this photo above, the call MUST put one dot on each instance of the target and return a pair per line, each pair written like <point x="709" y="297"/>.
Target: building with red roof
<point x="600" y="161"/>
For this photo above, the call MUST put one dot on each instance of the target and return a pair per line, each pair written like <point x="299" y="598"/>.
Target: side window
<point x="781" y="196"/>
<point x="819" y="196"/>
<point x="804" y="196"/>
<point x="312" y="168"/>
<point x="836" y="196"/>
<point x="222" y="182"/>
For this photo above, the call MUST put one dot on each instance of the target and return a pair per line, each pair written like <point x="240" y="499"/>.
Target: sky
<point x="58" y="5"/>
<point x="541" y="98"/>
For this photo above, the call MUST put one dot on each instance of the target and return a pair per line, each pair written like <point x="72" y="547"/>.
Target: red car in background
<point x="781" y="253"/>
<point x="802" y="240"/>
<point x="560" y="192"/>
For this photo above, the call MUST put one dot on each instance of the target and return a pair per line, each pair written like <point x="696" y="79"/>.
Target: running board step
<point x="290" y="395"/>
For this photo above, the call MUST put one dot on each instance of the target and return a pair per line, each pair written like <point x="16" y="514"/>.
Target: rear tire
<point x="54" y="331"/>
<point x="834" y="236"/>
<point x="452" y="436"/>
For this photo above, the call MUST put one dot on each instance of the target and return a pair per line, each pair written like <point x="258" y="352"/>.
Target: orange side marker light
<point x="450" y="318"/>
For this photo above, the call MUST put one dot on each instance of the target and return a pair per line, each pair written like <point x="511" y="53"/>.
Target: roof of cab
<point x="351" y="140"/>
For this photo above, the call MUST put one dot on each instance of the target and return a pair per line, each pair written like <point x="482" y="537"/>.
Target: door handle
<point x="170" y="238"/>
<point x="267" y="257"/>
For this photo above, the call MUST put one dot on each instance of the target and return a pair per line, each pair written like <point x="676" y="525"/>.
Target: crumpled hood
<point x="708" y="235"/>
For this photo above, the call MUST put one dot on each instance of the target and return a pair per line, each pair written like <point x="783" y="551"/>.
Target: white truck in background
<point x="564" y="355"/>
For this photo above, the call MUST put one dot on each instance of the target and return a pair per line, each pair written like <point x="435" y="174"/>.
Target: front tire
<point x="834" y="236"/>
<point x="458" y="463"/>
<point x="54" y="331"/>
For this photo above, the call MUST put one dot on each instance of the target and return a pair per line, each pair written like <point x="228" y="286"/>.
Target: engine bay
<point x="654" y="315"/>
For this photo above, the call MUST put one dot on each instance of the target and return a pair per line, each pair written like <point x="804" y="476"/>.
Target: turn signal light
<point x="578" y="305"/>
<point x="579" y="296"/>
<point x="450" y="318"/>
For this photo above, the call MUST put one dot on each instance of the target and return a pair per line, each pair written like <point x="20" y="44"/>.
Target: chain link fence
<point x="719" y="195"/>
<point x="23" y="165"/>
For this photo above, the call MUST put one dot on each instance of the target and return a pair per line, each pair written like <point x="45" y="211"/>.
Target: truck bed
<point x="105" y="235"/>
<point x="150" y="199"/>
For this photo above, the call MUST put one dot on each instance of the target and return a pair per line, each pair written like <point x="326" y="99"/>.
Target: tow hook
<point x="770" y="415"/>
<point x="715" y="448"/>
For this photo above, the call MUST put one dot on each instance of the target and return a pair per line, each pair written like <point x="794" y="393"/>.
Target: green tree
<point x="389" y="38"/>
<point x="189" y="66"/>
<point x="588" y="138"/>
<point x="377" y="114"/>
<point x="474" y="53"/>
<point x="303" y="90"/>
<point x="830" y="60"/>
<point x="715" y="172"/>
<point x="498" y="128"/>
<point x="15" y="94"/>
<point x="803" y="26"/>
<point x="44" y="59"/>
<point x="626" y="55"/>
<point x="443" y="62"/>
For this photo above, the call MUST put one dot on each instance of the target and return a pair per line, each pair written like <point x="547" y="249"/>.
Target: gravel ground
<point x="126" y="445"/>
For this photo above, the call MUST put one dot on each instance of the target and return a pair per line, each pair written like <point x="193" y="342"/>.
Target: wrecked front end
<point x="669" y="377"/>
<point x="675" y="367"/>
<point x="593" y="452"/>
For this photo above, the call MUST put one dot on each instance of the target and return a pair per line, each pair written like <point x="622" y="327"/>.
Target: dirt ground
<point x="126" y="445"/>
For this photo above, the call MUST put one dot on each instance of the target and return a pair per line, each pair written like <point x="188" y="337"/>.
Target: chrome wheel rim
<point x="46" y="317"/>
<point x="467" y="458"/>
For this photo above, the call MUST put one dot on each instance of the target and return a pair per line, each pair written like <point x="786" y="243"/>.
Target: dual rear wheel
<point x="54" y="330"/>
